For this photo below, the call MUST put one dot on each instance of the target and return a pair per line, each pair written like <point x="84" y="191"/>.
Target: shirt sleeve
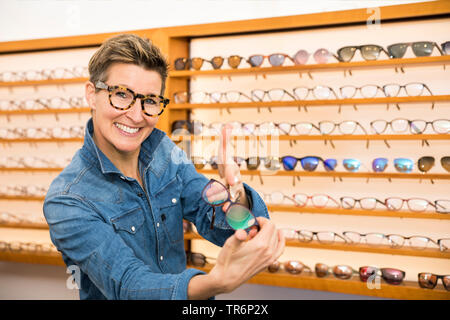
<point x="82" y="236"/>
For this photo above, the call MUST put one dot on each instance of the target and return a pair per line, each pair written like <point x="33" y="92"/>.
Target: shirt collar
<point x="106" y="166"/>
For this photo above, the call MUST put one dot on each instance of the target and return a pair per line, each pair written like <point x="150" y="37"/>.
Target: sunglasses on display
<point x="237" y="216"/>
<point x="339" y="271"/>
<point x="275" y="59"/>
<point x="369" y="52"/>
<point x="402" y="165"/>
<point x="426" y="163"/>
<point x="291" y="266"/>
<point x="196" y="259"/>
<point x="420" y="49"/>
<point x="429" y="280"/>
<point x="399" y="125"/>
<point x="390" y="275"/>
<point x="308" y="163"/>
<point x="320" y="56"/>
<point x="123" y="98"/>
<point x="196" y="63"/>
<point x="446" y="47"/>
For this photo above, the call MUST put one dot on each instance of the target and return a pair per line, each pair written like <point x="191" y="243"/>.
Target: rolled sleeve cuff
<point x="181" y="288"/>
<point x="256" y="203"/>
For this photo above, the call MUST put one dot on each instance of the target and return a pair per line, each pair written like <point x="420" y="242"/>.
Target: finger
<point x="235" y="240"/>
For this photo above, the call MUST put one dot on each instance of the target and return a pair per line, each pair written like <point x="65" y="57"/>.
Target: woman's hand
<point x="243" y="256"/>
<point x="229" y="170"/>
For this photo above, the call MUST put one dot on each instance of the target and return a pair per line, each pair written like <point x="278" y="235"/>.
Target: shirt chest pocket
<point x="170" y="211"/>
<point x="129" y="222"/>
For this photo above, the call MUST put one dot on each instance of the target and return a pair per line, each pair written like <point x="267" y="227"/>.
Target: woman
<point x="116" y="210"/>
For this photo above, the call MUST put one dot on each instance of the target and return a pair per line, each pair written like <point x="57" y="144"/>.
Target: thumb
<point x="235" y="240"/>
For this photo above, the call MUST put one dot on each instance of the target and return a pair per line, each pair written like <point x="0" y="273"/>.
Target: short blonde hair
<point x="127" y="48"/>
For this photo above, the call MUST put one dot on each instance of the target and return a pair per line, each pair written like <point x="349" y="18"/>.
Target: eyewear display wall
<point x="273" y="87"/>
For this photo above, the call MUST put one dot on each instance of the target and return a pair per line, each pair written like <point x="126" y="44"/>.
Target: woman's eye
<point x="121" y="94"/>
<point x="150" y="101"/>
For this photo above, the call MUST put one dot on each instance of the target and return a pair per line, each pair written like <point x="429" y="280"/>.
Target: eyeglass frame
<point x="103" y="86"/>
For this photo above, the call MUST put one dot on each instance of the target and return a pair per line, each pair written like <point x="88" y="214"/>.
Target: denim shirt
<point x="128" y="241"/>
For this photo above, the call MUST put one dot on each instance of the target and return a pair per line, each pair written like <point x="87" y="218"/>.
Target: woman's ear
<point x="90" y="95"/>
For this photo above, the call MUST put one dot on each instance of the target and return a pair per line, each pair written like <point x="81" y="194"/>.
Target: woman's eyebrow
<point x="128" y="87"/>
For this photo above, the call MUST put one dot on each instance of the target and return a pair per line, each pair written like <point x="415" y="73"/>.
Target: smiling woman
<point x="117" y="210"/>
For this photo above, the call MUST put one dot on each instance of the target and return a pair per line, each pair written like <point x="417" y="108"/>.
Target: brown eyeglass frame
<point x="103" y="86"/>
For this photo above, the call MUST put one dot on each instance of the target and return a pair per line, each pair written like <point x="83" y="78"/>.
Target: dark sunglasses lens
<point x="276" y="59"/>
<point x="422" y="49"/>
<point x="240" y="217"/>
<point x="309" y="163"/>
<point x="330" y="164"/>
<point x="217" y="62"/>
<point x="321" y="269"/>
<point x="446" y="281"/>
<point x="274" y="267"/>
<point x="425" y="164"/>
<point x="213" y="163"/>
<point x="397" y="50"/>
<point x="343" y="272"/>
<point x="234" y="61"/>
<point x="215" y="193"/>
<point x="256" y="60"/>
<point x="197" y="259"/>
<point x="366" y="272"/>
<point x="370" y="52"/>
<point x="294" y="267"/>
<point x="252" y="163"/>
<point x="180" y="63"/>
<point x="392" y="276"/>
<point x="289" y="163"/>
<point x="351" y="165"/>
<point x="346" y="54"/>
<point x="379" y="164"/>
<point x="403" y="165"/>
<point x="446" y="47"/>
<point x="427" y="280"/>
<point x="445" y="162"/>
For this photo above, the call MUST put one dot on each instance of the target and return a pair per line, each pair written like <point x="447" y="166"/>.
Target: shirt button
<point x="133" y="228"/>
<point x="122" y="177"/>
<point x="157" y="224"/>
<point x="161" y="258"/>
<point x="174" y="200"/>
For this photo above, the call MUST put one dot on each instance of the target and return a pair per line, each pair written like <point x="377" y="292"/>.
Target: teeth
<point x="125" y="128"/>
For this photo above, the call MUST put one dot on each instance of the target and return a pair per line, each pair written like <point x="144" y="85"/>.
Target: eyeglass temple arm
<point x="101" y="85"/>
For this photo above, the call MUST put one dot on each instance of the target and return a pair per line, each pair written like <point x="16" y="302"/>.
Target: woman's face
<point x="118" y="131"/>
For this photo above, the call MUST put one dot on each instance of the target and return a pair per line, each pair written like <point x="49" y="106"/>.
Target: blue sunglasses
<point x="309" y="163"/>
<point x="402" y="165"/>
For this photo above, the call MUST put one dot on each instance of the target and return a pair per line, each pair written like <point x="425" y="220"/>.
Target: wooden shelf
<point x="335" y="66"/>
<point x="22" y="198"/>
<point x="44" y="111"/>
<point x="310" y="103"/>
<point x="341" y="246"/>
<point x="31" y="169"/>
<point x="34" y="140"/>
<point x="360" y="212"/>
<point x="323" y="137"/>
<point x="309" y="281"/>
<point x="43" y="82"/>
<point x="337" y="174"/>
<point x="24" y="225"/>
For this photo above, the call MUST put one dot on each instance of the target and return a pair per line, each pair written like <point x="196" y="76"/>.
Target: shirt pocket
<point x="170" y="211"/>
<point x="129" y="222"/>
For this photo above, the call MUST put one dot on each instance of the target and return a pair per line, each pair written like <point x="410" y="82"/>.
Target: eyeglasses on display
<point x="339" y="271"/>
<point x="413" y="89"/>
<point x="369" y="52"/>
<point x="420" y="49"/>
<point x="429" y="280"/>
<point x="45" y="74"/>
<point x="237" y="216"/>
<point x="317" y="200"/>
<point x="367" y="91"/>
<point x="366" y="203"/>
<point x="326" y="237"/>
<point x="123" y="98"/>
<point x="400" y="125"/>
<point x="319" y="92"/>
<point x="197" y="259"/>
